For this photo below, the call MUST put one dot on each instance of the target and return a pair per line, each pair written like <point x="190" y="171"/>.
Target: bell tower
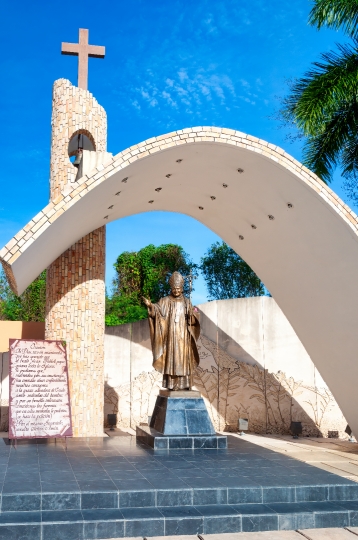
<point x="75" y="294"/>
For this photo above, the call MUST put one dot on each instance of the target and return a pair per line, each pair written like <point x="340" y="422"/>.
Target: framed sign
<point x="39" y="404"/>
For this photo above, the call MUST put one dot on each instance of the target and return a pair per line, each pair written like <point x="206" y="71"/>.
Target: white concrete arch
<point x="307" y="256"/>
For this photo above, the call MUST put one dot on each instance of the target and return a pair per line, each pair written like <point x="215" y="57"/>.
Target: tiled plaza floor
<point x="113" y="487"/>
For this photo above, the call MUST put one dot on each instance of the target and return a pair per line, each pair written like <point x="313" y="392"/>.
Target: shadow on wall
<point x="233" y="383"/>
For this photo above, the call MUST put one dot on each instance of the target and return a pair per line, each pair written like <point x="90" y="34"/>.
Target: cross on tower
<point x="83" y="50"/>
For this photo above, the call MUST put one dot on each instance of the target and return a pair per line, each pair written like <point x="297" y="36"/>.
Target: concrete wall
<point x="19" y="330"/>
<point x="252" y="365"/>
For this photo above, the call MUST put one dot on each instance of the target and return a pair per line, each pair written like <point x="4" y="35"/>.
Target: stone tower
<point x="75" y="295"/>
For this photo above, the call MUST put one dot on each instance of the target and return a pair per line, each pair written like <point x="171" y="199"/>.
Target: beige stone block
<point x="328" y="534"/>
<point x="39" y="224"/>
<point x="42" y="229"/>
<point x="19" y="235"/>
<point x="56" y="215"/>
<point x="11" y="244"/>
<point x="14" y="257"/>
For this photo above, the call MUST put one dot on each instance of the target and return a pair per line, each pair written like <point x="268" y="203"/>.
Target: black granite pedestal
<point x="180" y="420"/>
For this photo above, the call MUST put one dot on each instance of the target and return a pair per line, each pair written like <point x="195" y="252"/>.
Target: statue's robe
<point x="174" y="330"/>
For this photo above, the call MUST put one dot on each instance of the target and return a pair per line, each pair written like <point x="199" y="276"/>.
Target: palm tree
<point x="323" y="104"/>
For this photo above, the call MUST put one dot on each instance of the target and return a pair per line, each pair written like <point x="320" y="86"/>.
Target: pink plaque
<point x="39" y="394"/>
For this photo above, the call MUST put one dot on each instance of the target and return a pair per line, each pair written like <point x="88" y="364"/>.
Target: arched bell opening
<point x="80" y="142"/>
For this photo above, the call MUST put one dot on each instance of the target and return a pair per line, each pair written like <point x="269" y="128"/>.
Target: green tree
<point x="144" y="273"/>
<point x="29" y="306"/>
<point x="227" y="275"/>
<point x="323" y="104"/>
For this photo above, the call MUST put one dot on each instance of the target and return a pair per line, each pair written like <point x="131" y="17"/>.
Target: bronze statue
<point x="174" y="330"/>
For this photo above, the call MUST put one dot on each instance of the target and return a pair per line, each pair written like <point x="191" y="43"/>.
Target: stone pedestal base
<point x="158" y="441"/>
<point x="180" y="420"/>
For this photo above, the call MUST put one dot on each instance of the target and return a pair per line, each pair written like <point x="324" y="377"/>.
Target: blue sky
<point x="169" y="65"/>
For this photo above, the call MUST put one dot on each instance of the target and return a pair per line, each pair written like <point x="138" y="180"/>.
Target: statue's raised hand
<point x="147" y="302"/>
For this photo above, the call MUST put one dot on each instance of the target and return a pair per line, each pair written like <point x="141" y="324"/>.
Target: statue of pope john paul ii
<point x="174" y="331"/>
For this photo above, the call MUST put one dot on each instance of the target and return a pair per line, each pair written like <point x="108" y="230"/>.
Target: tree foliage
<point x="336" y="14"/>
<point x="30" y="306"/>
<point x="323" y="104"/>
<point x="227" y="275"/>
<point x="144" y="273"/>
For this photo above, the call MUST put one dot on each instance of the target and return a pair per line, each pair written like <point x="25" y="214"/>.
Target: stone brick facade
<point x="75" y="313"/>
<point x="75" y="294"/>
<point x="74" y="111"/>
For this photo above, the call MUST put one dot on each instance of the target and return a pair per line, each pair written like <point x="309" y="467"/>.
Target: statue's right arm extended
<point x="150" y="307"/>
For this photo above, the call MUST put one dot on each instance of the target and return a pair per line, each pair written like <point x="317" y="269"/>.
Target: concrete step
<point x="179" y="520"/>
<point x="241" y="492"/>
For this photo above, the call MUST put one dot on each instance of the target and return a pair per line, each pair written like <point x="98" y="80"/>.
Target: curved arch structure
<point x="295" y="233"/>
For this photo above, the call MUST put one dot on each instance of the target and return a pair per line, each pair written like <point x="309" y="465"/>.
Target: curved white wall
<point x="307" y="256"/>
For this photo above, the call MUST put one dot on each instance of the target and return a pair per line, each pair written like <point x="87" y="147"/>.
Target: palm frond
<point x="336" y="14"/>
<point x="322" y="152"/>
<point x="315" y="97"/>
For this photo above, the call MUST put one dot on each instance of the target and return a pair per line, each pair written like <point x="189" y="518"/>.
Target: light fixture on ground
<point x="243" y="425"/>
<point x="350" y="434"/>
<point x="112" y="421"/>
<point x="296" y="429"/>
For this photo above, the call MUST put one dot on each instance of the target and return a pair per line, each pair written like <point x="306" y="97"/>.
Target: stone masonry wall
<point x="75" y="295"/>
<point x="74" y="111"/>
<point x="75" y="313"/>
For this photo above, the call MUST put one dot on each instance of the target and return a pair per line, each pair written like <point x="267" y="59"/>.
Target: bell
<point x="78" y="159"/>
